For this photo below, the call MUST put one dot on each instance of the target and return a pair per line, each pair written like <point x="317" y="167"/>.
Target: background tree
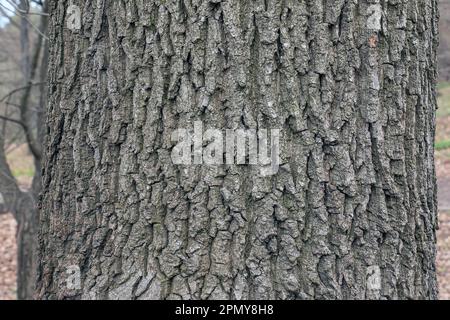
<point x="23" y="95"/>
<point x="352" y="211"/>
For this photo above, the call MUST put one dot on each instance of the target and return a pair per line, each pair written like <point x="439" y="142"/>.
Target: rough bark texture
<point x="350" y="83"/>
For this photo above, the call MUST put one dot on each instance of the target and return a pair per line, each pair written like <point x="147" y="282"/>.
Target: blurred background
<point x="23" y="65"/>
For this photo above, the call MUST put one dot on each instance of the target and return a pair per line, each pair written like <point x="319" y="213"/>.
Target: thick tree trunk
<point x="351" y="212"/>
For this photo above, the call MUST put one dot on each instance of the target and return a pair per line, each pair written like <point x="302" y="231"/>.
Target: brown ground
<point x="7" y="257"/>
<point x="21" y="165"/>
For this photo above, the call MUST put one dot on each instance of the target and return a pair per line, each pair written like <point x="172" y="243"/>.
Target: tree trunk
<point x="27" y="227"/>
<point x="22" y="204"/>
<point x="351" y="212"/>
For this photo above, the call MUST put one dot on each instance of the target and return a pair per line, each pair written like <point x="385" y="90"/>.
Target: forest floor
<point x="21" y="164"/>
<point x="443" y="174"/>
<point x="443" y="256"/>
<point x="7" y="257"/>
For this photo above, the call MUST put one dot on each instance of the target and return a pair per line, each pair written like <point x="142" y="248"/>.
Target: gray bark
<point x="350" y="83"/>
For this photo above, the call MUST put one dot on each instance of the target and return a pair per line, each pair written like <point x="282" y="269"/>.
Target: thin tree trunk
<point x="351" y="213"/>
<point x="23" y="204"/>
<point x="27" y="227"/>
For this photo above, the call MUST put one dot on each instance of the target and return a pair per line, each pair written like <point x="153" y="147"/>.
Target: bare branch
<point x="19" y="89"/>
<point x="24" y="14"/>
<point x="6" y="15"/>
<point x="20" y="123"/>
